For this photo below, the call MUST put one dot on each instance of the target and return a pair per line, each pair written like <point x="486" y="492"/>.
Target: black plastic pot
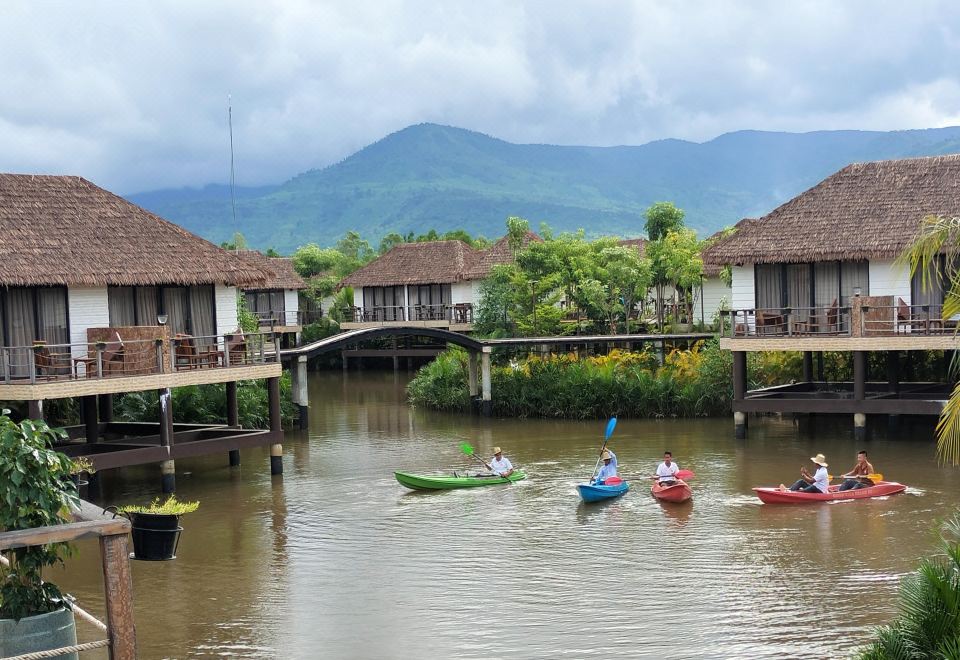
<point x="155" y="536"/>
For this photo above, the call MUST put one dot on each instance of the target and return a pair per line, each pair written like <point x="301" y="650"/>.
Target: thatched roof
<point x="431" y="262"/>
<point x="63" y="230"/>
<point x="864" y="211"/>
<point x="496" y="254"/>
<point x="281" y="271"/>
<point x="434" y="262"/>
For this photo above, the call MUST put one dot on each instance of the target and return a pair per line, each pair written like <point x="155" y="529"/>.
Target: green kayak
<point x="445" y="482"/>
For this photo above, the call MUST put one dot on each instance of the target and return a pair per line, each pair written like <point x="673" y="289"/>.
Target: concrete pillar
<point x="233" y="419"/>
<point x="859" y="426"/>
<point x="859" y="375"/>
<point x="486" y="400"/>
<point x="106" y="408"/>
<point x="90" y="422"/>
<point x="35" y="409"/>
<point x="807" y="366"/>
<point x="472" y="375"/>
<point x="276" y="425"/>
<point x="739" y="425"/>
<point x="303" y="393"/>
<point x="168" y="479"/>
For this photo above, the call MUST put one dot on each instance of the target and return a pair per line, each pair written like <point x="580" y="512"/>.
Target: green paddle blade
<point x="466" y="449"/>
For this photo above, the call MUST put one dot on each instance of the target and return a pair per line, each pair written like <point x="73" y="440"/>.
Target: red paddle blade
<point x="685" y="474"/>
<point x="612" y="481"/>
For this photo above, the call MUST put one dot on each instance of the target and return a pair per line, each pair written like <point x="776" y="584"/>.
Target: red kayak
<point x="777" y="496"/>
<point x="677" y="492"/>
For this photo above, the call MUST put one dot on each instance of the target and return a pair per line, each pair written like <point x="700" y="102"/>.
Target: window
<point x="30" y="314"/>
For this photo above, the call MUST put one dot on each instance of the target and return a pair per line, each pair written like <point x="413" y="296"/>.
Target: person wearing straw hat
<point x="819" y="482"/>
<point x="609" y="467"/>
<point x="500" y="463"/>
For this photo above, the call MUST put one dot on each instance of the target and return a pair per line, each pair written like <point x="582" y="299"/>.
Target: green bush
<point x="691" y="383"/>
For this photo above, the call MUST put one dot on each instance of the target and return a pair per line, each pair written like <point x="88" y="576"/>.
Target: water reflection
<point x="337" y="559"/>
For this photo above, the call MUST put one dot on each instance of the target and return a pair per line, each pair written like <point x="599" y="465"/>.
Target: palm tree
<point x="928" y="625"/>
<point x="941" y="236"/>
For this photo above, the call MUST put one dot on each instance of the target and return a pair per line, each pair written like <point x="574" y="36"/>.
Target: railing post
<point x="173" y="354"/>
<point x="159" y="349"/>
<point x="227" y="339"/>
<point x="118" y="592"/>
<point x="6" y="365"/>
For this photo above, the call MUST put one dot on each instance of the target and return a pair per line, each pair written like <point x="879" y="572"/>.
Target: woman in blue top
<point x="609" y="467"/>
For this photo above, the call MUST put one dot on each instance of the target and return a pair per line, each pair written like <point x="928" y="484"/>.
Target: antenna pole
<point x="233" y="200"/>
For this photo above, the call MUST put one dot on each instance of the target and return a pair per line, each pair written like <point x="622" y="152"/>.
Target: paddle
<point x="468" y="450"/>
<point x="612" y="424"/>
<point x="681" y="474"/>
<point x="874" y="476"/>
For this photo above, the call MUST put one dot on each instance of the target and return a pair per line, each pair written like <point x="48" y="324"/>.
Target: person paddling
<point x="819" y="482"/>
<point x="609" y="467"/>
<point x="857" y="476"/>
<point x="667" y="471"/>
<point x="500" y="463"/>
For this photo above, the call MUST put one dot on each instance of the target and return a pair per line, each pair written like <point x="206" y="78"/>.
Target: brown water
<point x="337" y="560"/>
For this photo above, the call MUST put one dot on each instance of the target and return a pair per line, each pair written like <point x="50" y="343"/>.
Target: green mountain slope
<point x="430" y="176"/>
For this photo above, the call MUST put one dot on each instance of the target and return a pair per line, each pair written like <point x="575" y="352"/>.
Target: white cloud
<point x="133" y="95"/>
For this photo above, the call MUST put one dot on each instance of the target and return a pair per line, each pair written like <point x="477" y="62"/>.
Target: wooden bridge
<point x="478" y="349"/>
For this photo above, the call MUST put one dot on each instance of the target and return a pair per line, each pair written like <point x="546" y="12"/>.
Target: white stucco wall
<point x="889" y="279"/>
<point x="715" y="291"/>
<point x="226" y="308"/>
<point x="358" y="296"/>
<point x="463" y="292"/>
<point x="742" y="295"/>
<point x="86" y="308"/>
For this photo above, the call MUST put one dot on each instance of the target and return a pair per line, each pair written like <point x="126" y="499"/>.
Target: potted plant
<point x="79" y="466"/>
<point x="156" y="527"/>
<point x="36" y="491"/>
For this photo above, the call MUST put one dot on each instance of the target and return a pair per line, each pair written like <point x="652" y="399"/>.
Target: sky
<point x="134" y="95"/>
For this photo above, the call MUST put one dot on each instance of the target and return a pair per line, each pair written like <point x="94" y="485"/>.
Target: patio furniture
<point x="829" y="323"/>
<point x="235" y="345"/>
<point x="112" y="354"/>
<point x="768" y="323"/>
<point x="48" y="364"/>
<point x="188" y="355"/>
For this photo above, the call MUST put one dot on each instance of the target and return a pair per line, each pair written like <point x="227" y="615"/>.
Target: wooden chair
<point x="829" y="323"/>
<point x="904" y="316"/>
<point x="236" y="348"/>
<point x="768" y="323"/>
<point x="49" y="365"/>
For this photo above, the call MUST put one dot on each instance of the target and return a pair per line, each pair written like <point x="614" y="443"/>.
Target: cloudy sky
<point x="134" y="95"/>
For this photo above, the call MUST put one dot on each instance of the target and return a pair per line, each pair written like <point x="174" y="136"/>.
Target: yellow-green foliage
<point x="172" y="507"/>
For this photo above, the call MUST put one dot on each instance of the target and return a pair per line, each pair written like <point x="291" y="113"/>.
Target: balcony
<point x="50" y="371"/>
<point x="280" y="320"/>
<point x="457" y="316"/>
<point x="869" y="323"/>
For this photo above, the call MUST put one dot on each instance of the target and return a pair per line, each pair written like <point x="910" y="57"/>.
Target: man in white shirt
<point x="609" y="467"/>
<point x="819" y="482"/>
<point x="500" y="463"/>
<point x="667" y="471"/>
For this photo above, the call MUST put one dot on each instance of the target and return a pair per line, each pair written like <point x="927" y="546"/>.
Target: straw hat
<point x="820" y="460"/>
<point x="606" y="455"/>
<point x="496" y="450"/>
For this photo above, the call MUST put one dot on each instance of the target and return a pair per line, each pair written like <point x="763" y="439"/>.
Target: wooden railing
<point x="93" y="522"/>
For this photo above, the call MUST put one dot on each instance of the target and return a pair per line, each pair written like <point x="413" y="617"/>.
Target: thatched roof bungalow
<point x="841" y="236"/>
<point x="76" y="257"/>
<point x="434" y="281"/>
<point x="275" y="300"/>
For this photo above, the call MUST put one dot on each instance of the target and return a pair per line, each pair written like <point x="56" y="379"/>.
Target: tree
<point x="390" y="241"/>
<point x="355" y="249"/>
<point x="662" y="217"/>
<point x="628" y="275"/>
<point x="517" y="229"/>
<point x="940" y="236"/>
<point x="311" y="260"/>
<point x="237" y="243"/>
<point x="678" y="257"/>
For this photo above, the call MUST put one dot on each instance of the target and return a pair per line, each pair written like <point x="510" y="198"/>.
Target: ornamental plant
<point x="35" y="491"/>
<point x="171" y="507"/>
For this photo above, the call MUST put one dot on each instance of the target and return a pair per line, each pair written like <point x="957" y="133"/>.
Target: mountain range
<point x="431" y="176"/>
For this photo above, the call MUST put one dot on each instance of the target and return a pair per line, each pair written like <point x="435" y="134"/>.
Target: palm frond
<point x="948" y="429"/>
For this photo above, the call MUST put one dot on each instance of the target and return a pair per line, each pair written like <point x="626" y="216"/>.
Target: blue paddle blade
<point x="466" y="449"/>
<point x="612" y="424"/>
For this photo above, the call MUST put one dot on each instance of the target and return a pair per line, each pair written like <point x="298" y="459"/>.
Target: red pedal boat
<point x="678" y="492"/>
<point x="777" y="496"/>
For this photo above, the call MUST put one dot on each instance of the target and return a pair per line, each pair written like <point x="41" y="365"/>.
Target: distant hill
<point x="429" y="176"/>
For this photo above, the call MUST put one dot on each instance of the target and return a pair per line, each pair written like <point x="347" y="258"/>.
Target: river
<point x="337" y="560"/>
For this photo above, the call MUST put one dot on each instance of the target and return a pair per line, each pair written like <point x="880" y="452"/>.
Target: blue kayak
<point x="595" y="493"/>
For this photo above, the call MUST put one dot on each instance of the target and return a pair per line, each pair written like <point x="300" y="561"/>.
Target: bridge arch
<point x="343" y="339"/>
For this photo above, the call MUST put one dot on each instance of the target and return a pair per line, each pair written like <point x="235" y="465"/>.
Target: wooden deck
<point x="63" y="387"/>
<point x="904" y="342"/>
